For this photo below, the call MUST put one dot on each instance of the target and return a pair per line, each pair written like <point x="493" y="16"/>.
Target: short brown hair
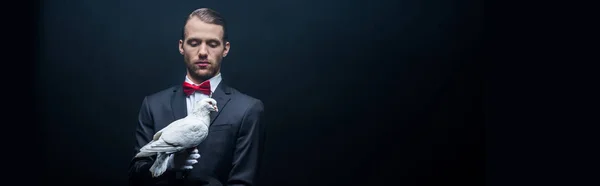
<point x="206" y="15"/>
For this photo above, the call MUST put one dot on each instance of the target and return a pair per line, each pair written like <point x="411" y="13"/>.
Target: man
<point x="230" y="153"/>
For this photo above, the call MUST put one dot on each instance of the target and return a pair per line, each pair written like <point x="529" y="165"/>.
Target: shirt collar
<point x="214" y="81"/>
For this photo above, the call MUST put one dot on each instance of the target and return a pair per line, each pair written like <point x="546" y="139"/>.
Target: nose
<point x="203" y="51"/>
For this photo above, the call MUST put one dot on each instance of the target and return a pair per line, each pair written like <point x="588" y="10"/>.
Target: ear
<point x="227" y="46"/>
<point x="181" y="47"/>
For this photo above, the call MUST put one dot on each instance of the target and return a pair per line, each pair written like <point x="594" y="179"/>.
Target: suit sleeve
<point x="139" y="168"/>
<point x="248" y="148"/>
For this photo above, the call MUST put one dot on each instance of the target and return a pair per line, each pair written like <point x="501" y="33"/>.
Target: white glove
<point x="184" y="160"/>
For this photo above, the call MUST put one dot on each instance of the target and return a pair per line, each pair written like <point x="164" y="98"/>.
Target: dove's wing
<point x="161" y="146"/>
<point x="174" y="124"/>
<point x="158" y="144"/>
<point x="157" y="135"/>
<point x="185" y="135"/>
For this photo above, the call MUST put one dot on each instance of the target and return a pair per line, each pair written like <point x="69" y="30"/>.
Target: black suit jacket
<point x="229" y="155"/>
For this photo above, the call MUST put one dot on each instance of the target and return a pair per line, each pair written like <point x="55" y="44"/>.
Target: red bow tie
<point x="189" y="88"/>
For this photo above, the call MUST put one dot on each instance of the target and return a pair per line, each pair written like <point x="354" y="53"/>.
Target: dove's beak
<point x="216" y="109"/>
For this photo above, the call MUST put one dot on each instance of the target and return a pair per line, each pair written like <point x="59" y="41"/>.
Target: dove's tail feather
<point x="160" y="146"/>
<point x="144" y="154"/>
<point x="160" y="164"/>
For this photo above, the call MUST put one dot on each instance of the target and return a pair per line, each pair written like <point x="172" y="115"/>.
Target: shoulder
<point x="161" y="95"/>
<point x="248" y="101"/>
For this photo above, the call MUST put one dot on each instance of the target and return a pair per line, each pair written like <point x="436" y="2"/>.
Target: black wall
<point x="356" y="92"/>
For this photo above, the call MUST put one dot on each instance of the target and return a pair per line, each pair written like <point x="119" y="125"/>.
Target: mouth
<point x="202" y="63"/>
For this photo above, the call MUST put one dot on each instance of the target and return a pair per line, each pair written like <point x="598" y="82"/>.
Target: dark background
<point x="355" y="92"/>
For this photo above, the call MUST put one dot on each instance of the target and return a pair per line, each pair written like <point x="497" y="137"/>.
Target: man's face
<point x="203" y="49"/>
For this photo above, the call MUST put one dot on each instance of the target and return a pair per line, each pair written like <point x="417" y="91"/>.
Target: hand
<point x="184" y="160"/>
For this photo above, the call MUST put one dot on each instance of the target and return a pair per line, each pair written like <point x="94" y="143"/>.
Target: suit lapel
<point x="178" y="105"/>
<point x="222" y="95"/>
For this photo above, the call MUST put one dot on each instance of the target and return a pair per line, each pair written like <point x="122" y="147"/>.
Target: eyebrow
<point x="209" y="39"/>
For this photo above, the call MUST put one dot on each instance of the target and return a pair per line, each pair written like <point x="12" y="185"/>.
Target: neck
<point x="195" y="80"/>
<point x="200" y="113"/>
<point x="199" y="79"/>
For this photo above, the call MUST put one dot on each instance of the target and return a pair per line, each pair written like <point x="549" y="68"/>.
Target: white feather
<point x="181" y="134"/>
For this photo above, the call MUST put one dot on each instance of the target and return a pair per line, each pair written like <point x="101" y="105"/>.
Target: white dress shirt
<point x="190" y="100"/>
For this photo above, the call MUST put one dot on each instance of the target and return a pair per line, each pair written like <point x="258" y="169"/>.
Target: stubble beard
<point x="193" y="71"/>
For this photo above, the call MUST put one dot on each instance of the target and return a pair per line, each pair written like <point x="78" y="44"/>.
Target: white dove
<point x="181" y="134"/>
